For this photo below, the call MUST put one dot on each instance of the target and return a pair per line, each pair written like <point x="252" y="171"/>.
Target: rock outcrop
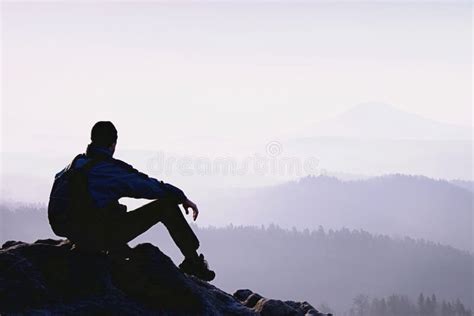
<point x="51" y="277"/>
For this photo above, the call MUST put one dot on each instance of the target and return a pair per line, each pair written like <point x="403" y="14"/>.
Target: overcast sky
<point x="184" y="73"/>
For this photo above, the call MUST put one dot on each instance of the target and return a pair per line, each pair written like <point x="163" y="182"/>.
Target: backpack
<point x="70" y="198"/>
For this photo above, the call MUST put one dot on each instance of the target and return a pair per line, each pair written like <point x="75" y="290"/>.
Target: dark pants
<point x="104" y="229"/>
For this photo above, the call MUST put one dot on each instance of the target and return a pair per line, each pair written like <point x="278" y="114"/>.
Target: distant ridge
<point x="373" y="120"/>
<point x="468" y="185"/>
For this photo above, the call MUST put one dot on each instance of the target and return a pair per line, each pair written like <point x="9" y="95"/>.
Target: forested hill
<point x="398" y="205"/>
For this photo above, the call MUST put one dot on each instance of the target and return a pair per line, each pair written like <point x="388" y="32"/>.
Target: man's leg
<point x="126" y="227"/>
<point x="129" y="225"/>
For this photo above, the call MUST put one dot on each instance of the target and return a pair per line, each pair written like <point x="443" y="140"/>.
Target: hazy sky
<point x="184" y="73"/>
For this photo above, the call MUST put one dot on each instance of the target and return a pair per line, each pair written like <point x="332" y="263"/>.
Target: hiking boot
<point x="198" y="267"/>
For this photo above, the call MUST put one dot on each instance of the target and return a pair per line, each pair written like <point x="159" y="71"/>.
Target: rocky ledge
<point x="51" y="277"/>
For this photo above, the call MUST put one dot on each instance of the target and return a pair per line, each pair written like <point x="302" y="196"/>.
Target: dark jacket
<point x="111" y="179"/>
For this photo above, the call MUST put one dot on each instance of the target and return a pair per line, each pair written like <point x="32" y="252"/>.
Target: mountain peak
<point x="377" y="120"/>
<point x="372" y="107"/>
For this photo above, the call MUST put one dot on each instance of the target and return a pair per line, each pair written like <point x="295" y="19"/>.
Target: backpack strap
<point x="89" y="164"/>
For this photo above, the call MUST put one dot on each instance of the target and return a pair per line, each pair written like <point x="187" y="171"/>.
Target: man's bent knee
<point x="164" y="208"/>
<point x="162" y="203"/>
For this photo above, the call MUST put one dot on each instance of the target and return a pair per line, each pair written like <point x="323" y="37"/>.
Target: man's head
<point x="104" y="134"/>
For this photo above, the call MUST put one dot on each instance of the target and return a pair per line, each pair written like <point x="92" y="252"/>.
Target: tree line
<point x="402" y="305"/>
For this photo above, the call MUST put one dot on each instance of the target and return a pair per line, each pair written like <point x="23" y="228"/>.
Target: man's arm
<point x="138" y="185"/>
<point x="129" y="182"/>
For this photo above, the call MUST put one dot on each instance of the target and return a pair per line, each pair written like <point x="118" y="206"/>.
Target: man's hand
<point x="190" y="204"/>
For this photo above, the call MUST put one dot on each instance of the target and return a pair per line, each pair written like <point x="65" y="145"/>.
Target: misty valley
<point x="290" y="251"/>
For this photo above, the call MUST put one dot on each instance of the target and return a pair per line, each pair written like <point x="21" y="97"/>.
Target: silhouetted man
<point x="84" y="205"/>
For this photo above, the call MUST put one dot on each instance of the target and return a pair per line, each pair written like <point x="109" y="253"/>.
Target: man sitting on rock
<point x="84" y="205"/>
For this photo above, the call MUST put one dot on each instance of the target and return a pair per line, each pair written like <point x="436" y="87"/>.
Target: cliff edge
<point x="51" y="277"/>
